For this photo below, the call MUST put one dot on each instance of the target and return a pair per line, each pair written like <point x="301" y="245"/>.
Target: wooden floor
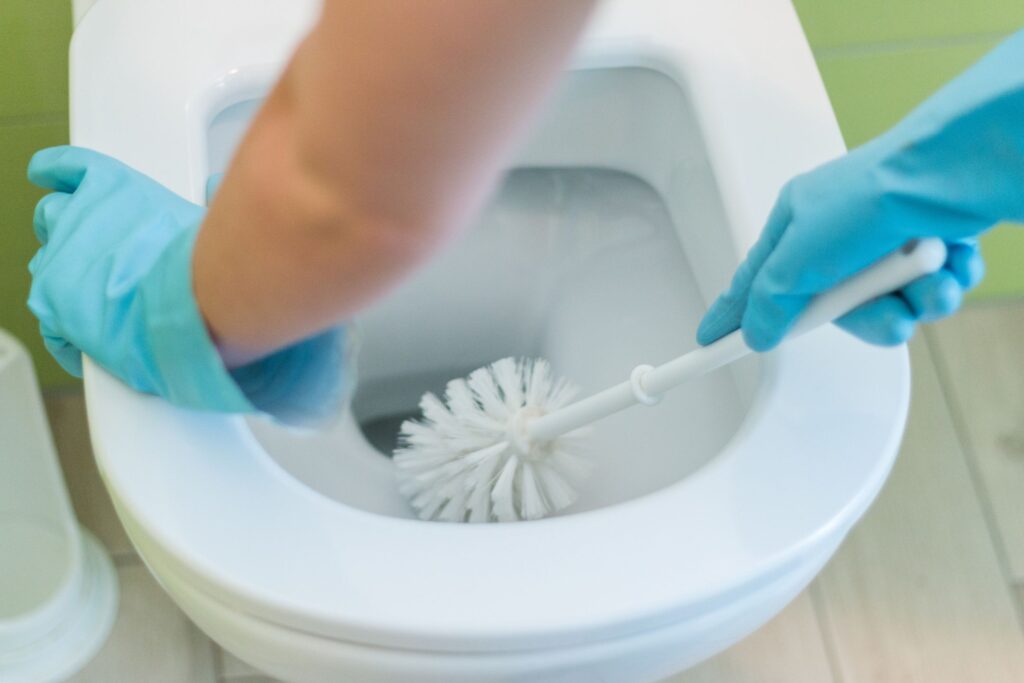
<point x="929" y="587"/>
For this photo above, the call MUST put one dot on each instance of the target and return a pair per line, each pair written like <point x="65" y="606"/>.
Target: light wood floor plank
<point x="980" y="352"/>
<point x="916" y="593"/>
<point x="789" y="649"/>
<point x="152" y="641"/>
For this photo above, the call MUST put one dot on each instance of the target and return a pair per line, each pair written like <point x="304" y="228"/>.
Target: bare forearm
<point x="384" y="135"/>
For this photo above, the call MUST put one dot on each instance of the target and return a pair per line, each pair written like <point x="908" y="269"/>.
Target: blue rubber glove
<point x="951" y="169"/>
<point x="113" y="280"/>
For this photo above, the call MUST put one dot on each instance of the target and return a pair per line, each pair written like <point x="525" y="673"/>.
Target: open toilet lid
<point x="813" y="452"/>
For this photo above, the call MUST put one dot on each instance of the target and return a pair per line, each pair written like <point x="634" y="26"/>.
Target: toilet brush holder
<point x="58" y="587"/>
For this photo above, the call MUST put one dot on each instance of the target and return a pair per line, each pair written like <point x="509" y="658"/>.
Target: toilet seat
<point x="205" y="503"/>
<point x="776" y="490"/>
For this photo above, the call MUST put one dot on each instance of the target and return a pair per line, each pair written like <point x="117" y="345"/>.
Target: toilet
<point x="644" y="183"/>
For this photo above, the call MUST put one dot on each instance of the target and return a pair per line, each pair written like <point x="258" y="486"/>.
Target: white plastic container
<point x="58" y="587"/>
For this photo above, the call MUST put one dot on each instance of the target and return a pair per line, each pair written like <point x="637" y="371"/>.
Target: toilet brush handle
<point x="647" y="384"/>
<point x="915" y="259"/>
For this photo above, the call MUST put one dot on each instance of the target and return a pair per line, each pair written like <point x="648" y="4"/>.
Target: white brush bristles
<point x="469" y="458"/>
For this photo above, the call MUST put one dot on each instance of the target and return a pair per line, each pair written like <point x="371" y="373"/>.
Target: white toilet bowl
<point x="648" y="178"/>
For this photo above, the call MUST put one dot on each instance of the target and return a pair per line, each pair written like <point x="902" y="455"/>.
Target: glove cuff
<point x="306" y="384"/>
<point x="190" y="369"/>
<point x="303" y="384"/>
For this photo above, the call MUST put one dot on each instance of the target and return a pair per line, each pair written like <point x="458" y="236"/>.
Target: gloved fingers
<point x="212" y="185"/>
<point x="940" y="294"/>
<point x="724" y="315"/>
<point x="965" y="261"/>
<point x="770" y="313"/>
<point x="804" y="265"/>
<point x="47" y="212"/>
<point x="934" y="296"/>
<point x="726" y="312"/>
<point x="69" y="357"/>
<point x="885" y="321"/>
<point x="63" y="168"/>
<point x="35" y="262"/>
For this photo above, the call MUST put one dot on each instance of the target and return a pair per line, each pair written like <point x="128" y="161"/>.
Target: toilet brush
<point x="505" y="443"/>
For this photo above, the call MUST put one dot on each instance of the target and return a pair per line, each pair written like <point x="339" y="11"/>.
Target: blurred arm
<point x="384" y="135"/>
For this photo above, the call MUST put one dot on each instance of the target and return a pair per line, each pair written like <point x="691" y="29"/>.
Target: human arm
<point x="324" y="208"/>
<point x="383" y="136"/>
<point x="952" y="168"/>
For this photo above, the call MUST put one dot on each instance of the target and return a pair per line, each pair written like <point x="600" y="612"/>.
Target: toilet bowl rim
<point x="247" y="594"/>
<point x="192" y="182"/>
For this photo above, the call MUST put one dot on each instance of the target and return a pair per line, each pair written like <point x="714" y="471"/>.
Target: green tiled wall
<point x="34" y="38"/>
<point x="878" y="58"/>
<point x="872" y="90"/>
<point x="839" y="23"/>
<point x="33" y="57"/>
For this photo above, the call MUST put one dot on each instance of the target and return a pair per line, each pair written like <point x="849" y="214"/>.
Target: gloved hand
<point x="113" y="280"/>
<point x="951" y="169"/>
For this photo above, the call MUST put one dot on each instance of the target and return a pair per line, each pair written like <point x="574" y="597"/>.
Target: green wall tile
<point x="34" y="37"/>
<point x="1003" y="250"/>
<point x="835" y="23"/>
<point x="872" y="91"/>
<point x="17" y="202"/>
